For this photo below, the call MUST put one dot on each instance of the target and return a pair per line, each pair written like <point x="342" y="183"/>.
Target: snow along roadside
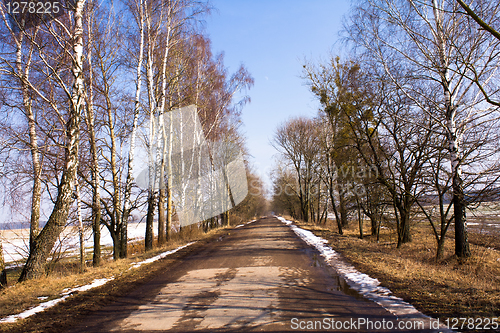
<point x="244" y="224"/>
<point x="68" y="292"/>
<point x="362" y="283"/>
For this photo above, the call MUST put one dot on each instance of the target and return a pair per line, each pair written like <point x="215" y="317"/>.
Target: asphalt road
<point x="260" y="277"/>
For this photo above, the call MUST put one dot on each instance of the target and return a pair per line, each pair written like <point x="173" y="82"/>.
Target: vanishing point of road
<point x="260" y="277"/>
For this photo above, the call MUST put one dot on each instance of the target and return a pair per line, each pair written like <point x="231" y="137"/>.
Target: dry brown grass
<point x="445" y="289"/>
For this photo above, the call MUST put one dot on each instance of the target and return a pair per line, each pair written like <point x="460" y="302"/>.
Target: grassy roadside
<point x="446" y="289"/>
<point x="21" y="296"/>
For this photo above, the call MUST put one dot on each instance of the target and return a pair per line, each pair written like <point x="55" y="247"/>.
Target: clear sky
<point x="272" y="38"/>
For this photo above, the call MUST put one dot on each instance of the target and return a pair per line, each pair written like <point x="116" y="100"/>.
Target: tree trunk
<point x="117" y="211"/>
<point x="23" y="75"/>
<point x="360" y="220"/>
<point x="3" y="273"/>
<point x="124" y="235"/>
<point x="96" y="196"/>
<point x="404" y="228"/>
<point x="440" y="249"/>
<point x="161" y="217"/>
<point x="374" y="223"/>
<point x="80" y="226"/>
<point x="331" y="188"/>
<point x="115" y="235"/>
<point x="45" y="241"/>
<point x="335" y="211"/>
<point x="462" y="249"/>
<point x="343" y="210"/>
<point x="96" y="227"/>
<point x="324" y="214"/>
<point x="168" y="226"/>
<point x="148" y="239"/>
<point x="318" y="219"/>
<point x="127" y="204"/>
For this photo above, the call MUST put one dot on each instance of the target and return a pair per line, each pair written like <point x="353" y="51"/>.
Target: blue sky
<point x="272" y="39"/>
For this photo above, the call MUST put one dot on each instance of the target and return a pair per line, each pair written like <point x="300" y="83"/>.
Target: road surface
<point x="260" y="277"/>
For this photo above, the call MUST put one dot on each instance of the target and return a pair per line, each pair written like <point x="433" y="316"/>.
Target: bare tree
<point x="21" y="73"/>
<point x="164" y="24"/>
<point x="297" y="141"/>
<point x="90" y="122"/>
<point x="137" y="8"/>
<point x="55" y="224"/>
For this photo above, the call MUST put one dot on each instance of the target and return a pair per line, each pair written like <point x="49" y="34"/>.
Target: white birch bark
<point x="152" y="103"/>
<point x="461" y="239"/>
<point x="23" y="75"/>
<point x="34" y="266"/>
<point x="161" y="148"/>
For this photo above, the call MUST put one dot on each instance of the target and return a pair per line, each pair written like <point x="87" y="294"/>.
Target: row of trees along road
<point x="74" y="92"/>
<point x="409" y="124"/>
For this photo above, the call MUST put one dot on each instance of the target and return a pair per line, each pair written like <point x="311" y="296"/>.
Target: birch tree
<point x="162" y="26"/>
<point x="91" y="126"/>
<point x="34" y="266"/>
<point x="21" y="73"/>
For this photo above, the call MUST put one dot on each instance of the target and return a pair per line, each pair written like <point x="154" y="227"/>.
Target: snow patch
<point x="244" y="224"/>
<point x="41" y="307"/>
<point x="160" y="256"/>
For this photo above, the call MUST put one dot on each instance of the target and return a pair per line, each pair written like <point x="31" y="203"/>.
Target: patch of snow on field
<point x="362" y="283"/>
